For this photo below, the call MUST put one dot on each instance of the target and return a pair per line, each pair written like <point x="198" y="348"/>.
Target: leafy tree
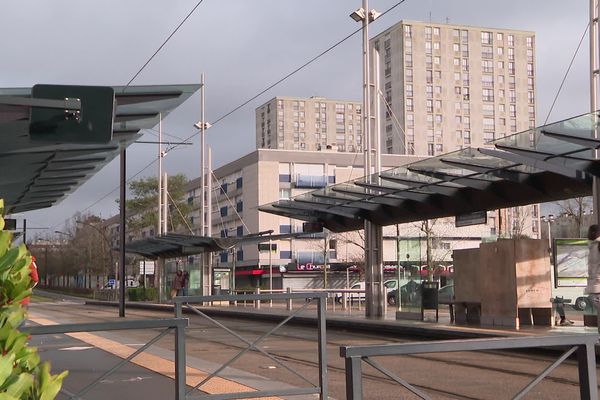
<point x="142" y="208"/>
<point x="22" y="374"/>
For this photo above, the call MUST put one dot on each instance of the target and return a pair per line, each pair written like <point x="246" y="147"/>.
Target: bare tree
<point x="576" y="208"/>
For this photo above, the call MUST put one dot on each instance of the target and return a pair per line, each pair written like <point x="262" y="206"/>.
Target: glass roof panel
<point x="534" y="139"/>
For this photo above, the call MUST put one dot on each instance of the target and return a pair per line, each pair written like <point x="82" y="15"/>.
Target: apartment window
<point x="530" y="98"/>
<point x="239" y="207"/>
<point x="455" y="33"/>
<point x="410" y="148"/>
<point x="438" y="118"/>
<point x="488" y="123"/>
<point x="438" y="105"/>
<point x="467" y="137"/>
<point x="429" y="76"/>
<point x="286" y="228"/>
<point x="409" y="90"/>
<point x="410" y="120"/>
<point x="512" y="96"/>
<point x="501" y="107"/>
<point x="464" y="36"/>
<point x="457" y="76"/>
<point x="439" y="148"/>
<point x="499" y="37"/>
<point x="223" y="211"/>
<point x="436" y="45"/>
<point x="407" y="31"/>
<point x="437" y="74"/>
<point x="487" y="66"/>
<point x="430" y="149"/>
<point x="239" y="183"/>
<point x="240" y="231"/>
<point x="466" y="108"/>
<point x="408" y="62"/>
<point x="429" y="106"/>
<point x="511" y="53"/>
<point x="456" y="62"/>
<point x="512" y="110"/>
<point x="511" y="68"/>
<point x="501" y="93"/>
<point x="486" y="37"/>
<point x="409" y="105"/>
<point x="465" y="64"/>
<point x="529" y="69"/>
<point x="427" y="47"/>
<point x="500" y="64"/>
<point x="488" y="109"/>
<point x="487" y="52"/>
<point x="437" y="61"/>
<point x="436" y="31"/>
<point x="511" y="40"/>
<point x="487" y="81"/>
<point x="529" y="41"/>
<point x="501" y="79"/>
<point x="456" y="47"/>
<point x="429" y="91"/>
<point x="500" y="51"/>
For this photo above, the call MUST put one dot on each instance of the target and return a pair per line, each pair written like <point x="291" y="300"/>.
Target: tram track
<point x="204" y="331"/>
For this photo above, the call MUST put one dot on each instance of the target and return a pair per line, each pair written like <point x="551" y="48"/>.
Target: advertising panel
<point x="570" y="262"/>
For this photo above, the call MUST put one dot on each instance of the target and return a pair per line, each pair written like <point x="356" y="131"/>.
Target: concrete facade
<point x="449" y="87"/>
<point x="313" y="124"/>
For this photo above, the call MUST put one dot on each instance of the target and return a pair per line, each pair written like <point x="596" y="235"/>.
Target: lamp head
<point x="358" y="15"/>
<point x="198" y="125"/>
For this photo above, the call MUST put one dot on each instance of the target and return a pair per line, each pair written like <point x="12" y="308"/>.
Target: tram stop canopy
<point x="173" y="245"/>
<point x="53" y="138"/>
<point x="549" y="163"/>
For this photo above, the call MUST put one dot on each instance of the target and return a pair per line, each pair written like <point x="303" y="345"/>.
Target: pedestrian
<point x="177" y="284"/>
<point x="186" y="282"/>
<point x="593" y="280"/>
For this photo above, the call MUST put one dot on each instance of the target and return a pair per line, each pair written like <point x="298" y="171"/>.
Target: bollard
<point x="289" y="301"/>
<point x="344" y="301"/>
<point x="257" y="302"/>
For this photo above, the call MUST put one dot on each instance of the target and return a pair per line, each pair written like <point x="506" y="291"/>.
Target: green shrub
<point x="142" y="294"/>
<point x="22" y="375"/>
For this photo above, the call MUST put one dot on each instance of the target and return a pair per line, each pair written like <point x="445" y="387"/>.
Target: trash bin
<point x="216" y="290"/>
<point x="429" y="297"/>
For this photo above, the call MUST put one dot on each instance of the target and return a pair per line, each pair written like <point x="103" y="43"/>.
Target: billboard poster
<point x="570" y="262"/>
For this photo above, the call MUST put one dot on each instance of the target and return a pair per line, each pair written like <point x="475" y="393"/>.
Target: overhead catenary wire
<point x="243" y="104"/>
<point x="162" y="45"/>
<point x="567" y="73"/>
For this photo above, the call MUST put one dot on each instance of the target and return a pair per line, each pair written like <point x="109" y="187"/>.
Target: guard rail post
<point x="322" y="324"/>
<point x="586" y="360"/>
<point x="257" y="302"/>
<point x="353" y="378"/>
<point x="180" y="362"/>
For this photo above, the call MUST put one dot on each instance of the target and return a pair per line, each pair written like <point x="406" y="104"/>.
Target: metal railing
<point x="177" y="324"/>
<point x="307" y="297"/>
<point x="580" y="344"/>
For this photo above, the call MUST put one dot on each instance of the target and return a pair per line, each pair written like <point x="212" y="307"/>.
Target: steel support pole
<point x="353" y="378"/>
<point x="160" y="159"/>
<point x="122" y="233"/>
<point x="322" y="344"/>
<point x="180" y="363"/>
<point x="594" y="32"/>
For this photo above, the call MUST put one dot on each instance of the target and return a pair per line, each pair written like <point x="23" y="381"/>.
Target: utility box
<point x="507" y="282"/>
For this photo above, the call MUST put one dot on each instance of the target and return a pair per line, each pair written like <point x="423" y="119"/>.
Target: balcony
<point x="311" y="181"/>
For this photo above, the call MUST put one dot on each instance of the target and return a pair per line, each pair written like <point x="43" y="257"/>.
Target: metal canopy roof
<point x="175" y="245"/>
<point x="549" y="163"/>
<point x="38" y="168"/>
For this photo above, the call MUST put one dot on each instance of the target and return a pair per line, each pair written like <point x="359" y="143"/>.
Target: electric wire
<point x="567" y="73"/>
<point x="162" y="45"/>
<point x="296" y="70"/>
<point x="226" y="115"/>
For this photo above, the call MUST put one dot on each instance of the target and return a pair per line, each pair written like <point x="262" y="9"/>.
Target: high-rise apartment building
<point x="316" y="123"/>
<point x="448" y="87"/>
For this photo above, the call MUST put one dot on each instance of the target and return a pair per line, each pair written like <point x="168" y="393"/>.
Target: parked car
<point x="446" y="294"/>
<point x="390" y="285"/>
<point x="410" y="294"/>
<point x="582" y="302"/>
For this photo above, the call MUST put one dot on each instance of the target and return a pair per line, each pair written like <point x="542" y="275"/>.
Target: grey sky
<point x="243" y="46"/>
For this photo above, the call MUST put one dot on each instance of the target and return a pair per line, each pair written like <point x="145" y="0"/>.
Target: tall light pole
<point x="375" y="292"/>
<point x="205" y="224"/>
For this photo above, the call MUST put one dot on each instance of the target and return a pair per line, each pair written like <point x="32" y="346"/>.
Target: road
<point x="468" y="375"/>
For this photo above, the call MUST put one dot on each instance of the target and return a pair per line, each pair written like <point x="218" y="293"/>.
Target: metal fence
<point x="177" y="324"/>
<point x="580" y="344"/>
<point x="307" y="298"/>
